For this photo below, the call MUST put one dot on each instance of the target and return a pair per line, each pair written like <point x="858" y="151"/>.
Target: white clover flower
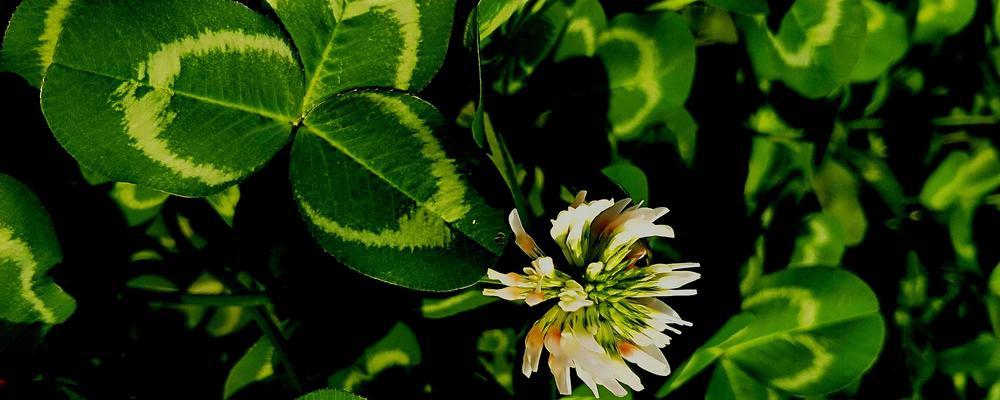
<point x="607" y="312"/>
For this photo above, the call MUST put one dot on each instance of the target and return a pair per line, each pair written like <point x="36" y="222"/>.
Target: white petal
<point x="676" y="279"/>
<point x="646" y="359"/>
<point x="664" y="268"/>
<point x="587" y="340"/>
<point x="544" y="266"/>
<point x="588" y="380"/>
<point x="560" y="371"/>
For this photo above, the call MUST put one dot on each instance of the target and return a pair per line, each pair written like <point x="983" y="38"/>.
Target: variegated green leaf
<point x="886" y="41"/>
<point x="630" y="178"/>
<point x="650" y="65"/>
<point x="468" y="300"/>
<point x="28" y="249"/>
<point x="837" y="190"/>
<point x="962" y="177"/>
<point x="938" y="19"/>
<point x="741" y="6"/>
<point x="585" y="25"/>
<point x="139" y="204"/>
<point x="494" y="14"/>
<point x="398" y="348"/>
<point x="184" y="97"/>
<point x="330" y="394"/>
<point x="31" y="37"/>
<point x="224" y="203"/>
<point x="805" y="331"/>
<point x="822" y="243"/>
<point x="373" y="177"/>
<point x="729" y="382"/>
<point x="527" y="40"/>
<point x="346" y="44"/>
<point x="815" y="48"/>
<point x="255" y="365"/>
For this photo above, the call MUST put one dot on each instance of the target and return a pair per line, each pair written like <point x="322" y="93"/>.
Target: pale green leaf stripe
<point x="408" y="17"/>
<point x="645" y="78"/>
<point x="822" y="359"/>
<point x="929" y="10"/>
<point x="587" y="32"/>
<point x="383" y="359"/>
<point x="431" y="307"/>
<point x="18" y="252"/>
<point x="54" y="18"/>
<point x="422" y="227"/>
<point x="816" y="36"/>
<point x="808" y="307"/>
<point x="801" y="298"/>
<point x="127" y="195"/>
<point x="418" y="229"/>
<point x="146" y="117"/>
<point x="462" y="302"/>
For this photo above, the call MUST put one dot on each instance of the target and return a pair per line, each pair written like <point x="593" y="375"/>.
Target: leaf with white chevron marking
<point x="804" y="331"/>
<point x="373" y="177"/>
<point x="31" y="37"/>
<point x="580" y="38"/>
<point x="815" y="49"/>
<point x="650" y="64"/>
<point x="347" y="44"/>
<point x="28" y="249"/>
<point x="185" y="97"/>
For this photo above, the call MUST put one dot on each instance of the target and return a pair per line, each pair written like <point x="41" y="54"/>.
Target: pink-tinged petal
<point x="508" y="279"/>
<point x="637" y="252"/>
<point x="507" y="293"/>
<point x="676" y="279"/>
<point x="608" y="219"/>
<point x="522" y="238"/>
<point x="553" y="340"/>
<point x="644" y="359"/>
<point x="560" y="371"/>
<point x="532" y="349"/>
<point x="534" y="298"/>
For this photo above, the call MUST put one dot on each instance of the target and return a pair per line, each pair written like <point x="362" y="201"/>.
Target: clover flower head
<point x="607" y="311"/>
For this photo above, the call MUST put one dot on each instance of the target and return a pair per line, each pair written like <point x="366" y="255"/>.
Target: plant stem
<point x="218" y="300"/>
<point x="267" y="326"/>
<point x="966" y="120"/>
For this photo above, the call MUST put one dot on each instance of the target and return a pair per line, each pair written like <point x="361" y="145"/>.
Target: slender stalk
<point x="952" y="121"/>
<point x="217" y="300"/>
<point x="268" y="327"/>
<point x="966" y="120"/>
